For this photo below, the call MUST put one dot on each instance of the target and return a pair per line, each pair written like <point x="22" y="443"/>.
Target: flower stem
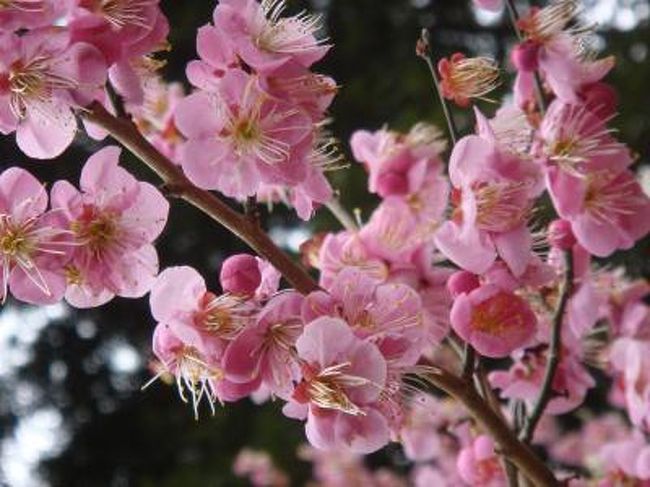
<point x="343" y="217"/>
<point x="423" y="50"/>
<point x="126" y="133"/>
<point x="554" y="351"/>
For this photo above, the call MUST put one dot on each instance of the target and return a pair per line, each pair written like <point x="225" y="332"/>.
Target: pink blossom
<point x="607" y="209"/>
<point x="626" y="461"/>
<point x="266" y="41"/>
<point x="258" y="139"/>
<point x="240" y="274"/>
<point x="576" y="141"/>
<point x="114" y="220"/>
<point x="265" y="347"/>
<point x="493" y="5"/>
<point x="495" y="322"/>
<point x="342" y="377"/>
<point x="478" y="464"/>
<point x="493" y="193"/>
<point x="33" y="245"/>
<point x="630" y="360"/>
<point x="258" y="467"/>
<point x="552" y="49"/>
<point x="43" y="77"/>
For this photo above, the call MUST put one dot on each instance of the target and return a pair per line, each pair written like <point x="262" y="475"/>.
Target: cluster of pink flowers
<point x="254" y="124"/>
<point x="457" y="256"/>
<point x="56" y="56"/>
<point x="87" y="245"/>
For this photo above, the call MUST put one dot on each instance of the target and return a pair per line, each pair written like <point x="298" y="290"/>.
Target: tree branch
<point x="127" y="134"/>
<point x="520" y="454"/>
<point x="554" y="351"/>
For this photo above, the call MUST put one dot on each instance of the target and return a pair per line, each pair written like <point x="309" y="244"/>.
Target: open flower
<point x="494" y="321"/>
<point x="43" y="77"/>
<point x="463" y="78"/>
<point x="114" y="220"/>
<point x="342" y="377"/>
<point x="33" y="245"/>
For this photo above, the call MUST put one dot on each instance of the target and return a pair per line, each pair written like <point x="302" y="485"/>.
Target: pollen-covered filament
<point x="608" y="198"/>
<point x="23" y="5"/>
<point x="286" y="35"/>
<point x="193" y="374"/>
<point x="32" y="82"/>
<point x="542" y="24"/>
<point x="97" y="230"/>
<point x="223" y="316"/>
<point x="120" y="13"/>
<point x="327" y="388"/>
<point x="501" y="206"/>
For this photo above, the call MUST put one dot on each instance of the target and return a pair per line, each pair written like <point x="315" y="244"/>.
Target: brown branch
<point x="554" y="352"/>
<point x="128" y="135"/>
<point x="520" y="454"/>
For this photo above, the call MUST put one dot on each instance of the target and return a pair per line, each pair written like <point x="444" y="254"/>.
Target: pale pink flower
<point x="492" y="5"/>
<point x="216" y="58"/>
<point x="114" y="220"/>
<point x="258" y="468"/>
<point x="265" y="348"/>
<point x="265" y="40"/>
<point x="342" y="378"/>
<point x="494" y="321"/>
<point x="630" y="360"/>
<point x="240" y="138"/>
<point x="33" y="245"/>
<point x="558" y="53"/>
<point x="43" y="77"/>
<point x="626" y="461"/>
<point x="493" y="194"/>
<point x="607" y="209"/>
<point x="576" y="141"/>
<point x="479" y="465"/>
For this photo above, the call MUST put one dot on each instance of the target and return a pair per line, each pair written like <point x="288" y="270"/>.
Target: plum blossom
<point x="258" y="139"/>
<point x="33" y="245"/>
<point x="493" y="194"/>
<point x="463" y="78"/>
<point x="494" y="321"/>
<point x="114" y="220"/>
<point x="630" y="361"/>
<point x="266" y="41"/>
<point x="43" y="77"/>
<point x="478" y="464"/>
<point x="557" y="52"/>
<point x="342" y="380"/>
<point x="29" y="14"/>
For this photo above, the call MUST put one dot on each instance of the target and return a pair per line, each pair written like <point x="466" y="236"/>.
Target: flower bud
<point x="462" y="282"/>
<point x="240" y="274"/>
<point x="525" y="56"/>
<point x="560" y="235"/>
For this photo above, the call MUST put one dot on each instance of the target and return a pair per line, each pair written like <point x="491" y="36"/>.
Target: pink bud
<point x="524" y="56"/>
<point x="392" y="183"/>
<point x="462" y="282"/>
<point x="560" y="234"/>
<point x="240" y="274"/>
<point x="601" y="99"/>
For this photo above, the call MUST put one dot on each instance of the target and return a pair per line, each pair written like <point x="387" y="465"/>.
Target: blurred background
<point x="71" y="410"/>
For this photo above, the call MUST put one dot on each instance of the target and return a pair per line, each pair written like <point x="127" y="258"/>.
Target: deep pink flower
<point x="33" y="245"/>
<point x="114" y="220"/>
<point x="265" y="348"/>
<point x="240" y="274"/>
<point x="493" y="193"/>
<point x="241" y="138"/>
<point x="266" y="41"/>
<point x="607" y="209"/>
<point x="342" y="377"/>
<point x="495" y="322"/>
<point x="43" y="77"/>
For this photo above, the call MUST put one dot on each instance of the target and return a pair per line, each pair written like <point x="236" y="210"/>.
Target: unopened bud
<point x="462" y="282"/>
<point x="240" y="274"/>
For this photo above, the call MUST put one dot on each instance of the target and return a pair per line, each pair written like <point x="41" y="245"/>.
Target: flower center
<point x="95" y="229"/>
<point x="119" y="13"/>
<point x="500" y="206"/>
<point x="223" y="316"/>
<point x="497" y="315"/>
<point x="327" y="388"/>
<point x="286" y="35"/>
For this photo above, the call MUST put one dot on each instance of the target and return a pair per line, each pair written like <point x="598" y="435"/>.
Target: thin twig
<point x="126" y="133"/>
<point x="423" y="50"/>
<point x="519" y="453"/>
<point x="553" y="354"/>
<point x="469" y="360"/>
